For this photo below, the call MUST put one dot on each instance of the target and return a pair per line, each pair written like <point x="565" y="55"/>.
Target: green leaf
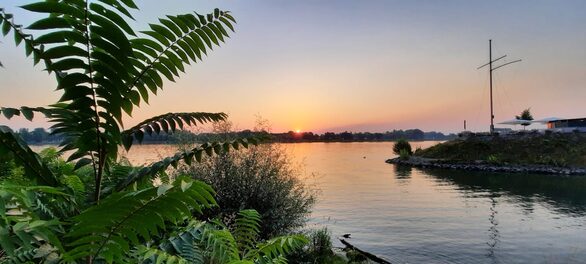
<point x="68" y="64"/>
<point x="54" y="7"/>
<point x="73" y="79"/>
<point x="204" y="37"/>
<point x="17" y="39"/>
<point x="148" y="43"/>
<point x="170" y="25"/>
<point x="176" y="61"/>
<point x="130" y="214"/>
<point x="164" y="70"/>
<point x="27" y="113"/>
<point x="50" y="23"/>
<point x="9" y="112"/>
<point x="163" y="31"/>
<point x="227" y="23"/>
<point x="61" y="36"/>
<point x="5" y="28"/>
<point x="163" y="188"/>
<point x="211" y="35"/>
<point x="180" y="23"/>
<point x="112" y="16"/>
<point x="64" y="51"/>
<point x="35" y="169"/>
<point x="159" y="37"/>
<point x="185" y="185"/>
<point x="118" y="6"/>
<point x="111" y="32"/>
<point x="216" y="31"/>
<point x="82" y="162"/>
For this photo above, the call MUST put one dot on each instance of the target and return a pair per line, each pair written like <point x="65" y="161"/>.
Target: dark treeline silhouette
<point x="39" y="136"/>
<point x="409" y="134"/>
<point x="42" y="136"/>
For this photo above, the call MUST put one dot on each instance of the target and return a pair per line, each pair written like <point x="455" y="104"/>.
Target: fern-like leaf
<point x="27" y="112"/>
<point x="196" y="153"/>
<point x="35" y="168"/>
<point x="167" y="123"/>
<point x="133" y="217"/>
<point x="148" y="255"/>
<point x="221" y="245"/>
<point x="279" y="246"/>
<point x="246" y="229"/>
<point x="21" y="227"/>
<point x="7" y="24"/>
<point x="174" y="43"/>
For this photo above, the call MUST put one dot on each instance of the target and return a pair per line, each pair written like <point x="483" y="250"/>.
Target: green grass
<point x="529" y="148"/>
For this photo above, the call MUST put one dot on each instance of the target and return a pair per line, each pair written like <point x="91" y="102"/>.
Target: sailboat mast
<point x="490" y="70"/>
<point x="490" y="73"/>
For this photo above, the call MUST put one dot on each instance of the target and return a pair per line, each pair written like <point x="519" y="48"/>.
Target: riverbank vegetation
<point x="403" y="149"/>
<point x="524" y="148"/>
<point x="93" y="207"/>
<point x="263" y="178"/>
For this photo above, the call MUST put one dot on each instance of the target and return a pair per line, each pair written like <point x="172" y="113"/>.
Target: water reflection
<point x="493" y="232"/>
<point x="561" y="194"/>
<point x="403" y="172"/>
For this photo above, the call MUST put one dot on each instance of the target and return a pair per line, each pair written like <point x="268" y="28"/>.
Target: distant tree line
<point x="409" y="134"/>
<point x="39" y="136"/>
<point x="42" y="136"/>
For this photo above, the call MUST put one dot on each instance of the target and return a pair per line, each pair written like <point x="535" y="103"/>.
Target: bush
<point x="321" y="242"/>
<point x="404" y="155"/>
<point x="319" y="250"/>
<point x="402" y="145"/>
<point x="261" y="178"/>
<point x="11" y="172"/>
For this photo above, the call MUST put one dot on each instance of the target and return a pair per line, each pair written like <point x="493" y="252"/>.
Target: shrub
<point x="261" y="178"/>
<point x="10" y="172"/>
<point x="321" y="242"/>
<point x="319" y="250"/>
<point x="402" y="144"/>
<point x="493" y="159"/>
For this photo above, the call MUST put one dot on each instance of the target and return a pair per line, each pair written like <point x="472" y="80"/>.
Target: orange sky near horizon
<point x="359" y="66"/>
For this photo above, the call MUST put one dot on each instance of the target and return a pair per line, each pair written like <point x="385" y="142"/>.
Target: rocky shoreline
<point x="486" y="166"/>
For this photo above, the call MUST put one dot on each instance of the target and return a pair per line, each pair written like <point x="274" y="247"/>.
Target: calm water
<point x="431" y="216"/>
<point x="413" y="216"/>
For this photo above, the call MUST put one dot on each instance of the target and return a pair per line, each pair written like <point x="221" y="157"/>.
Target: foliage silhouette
<point x="101" y="209"/>
<point x="525" y="115"/>
<point x="402" y="148"/>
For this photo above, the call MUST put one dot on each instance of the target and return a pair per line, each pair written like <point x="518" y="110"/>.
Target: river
<point x="408" y="215"/>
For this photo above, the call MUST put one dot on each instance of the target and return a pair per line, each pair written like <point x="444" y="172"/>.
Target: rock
<point x="482" y="166"/>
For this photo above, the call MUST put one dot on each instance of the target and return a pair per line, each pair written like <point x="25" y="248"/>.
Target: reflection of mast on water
<point x="493" y="232"/>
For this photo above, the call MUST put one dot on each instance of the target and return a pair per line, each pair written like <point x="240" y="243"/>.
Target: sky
<point x="357" y="65"/>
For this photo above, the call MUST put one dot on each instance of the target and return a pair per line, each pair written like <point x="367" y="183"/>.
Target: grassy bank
<point x="554" y="149"/>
